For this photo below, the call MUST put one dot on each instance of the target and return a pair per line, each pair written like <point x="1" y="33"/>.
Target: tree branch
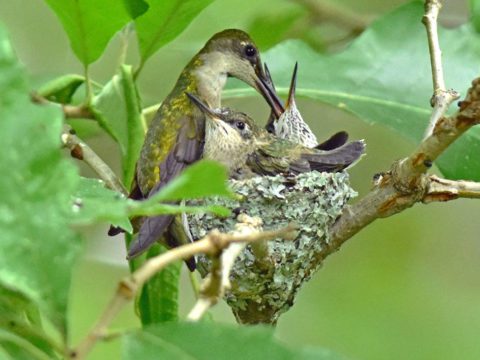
<point x="441" y="98"/>
<point x="406" y="183"/>
<point x="81" y="151"/>
<point x="213" y="244"/>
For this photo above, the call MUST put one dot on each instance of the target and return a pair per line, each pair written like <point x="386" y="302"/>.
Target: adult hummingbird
<point x="233" y="139"/>
<point x="176" y="135"/>
<point x="290" y="124"/>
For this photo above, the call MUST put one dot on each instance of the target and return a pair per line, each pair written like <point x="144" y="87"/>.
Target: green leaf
<point x="93" y="203"/>
<point x="204" y="178"/>
<point x="4" y="355"/>
<point x="315" y="353"/>
<point x="90" y="24"/>
<point x="261" y="27"/>
<point x="12" y="78"/>
<point x="149" y="208"/>
<point x="475" y="14"/>
<point x="19" y="348"/>
<point x="21" y="318"/>
<point x="384" y="78"/>
<point x="38" y="248"/>
<point x="118" y="111"/>
<point x="165" y="20"/>
<point x="136" y="7"/>
<point x="209" y="341"/>
<point x="61" y="89"/>
<point x="158" y="301"/>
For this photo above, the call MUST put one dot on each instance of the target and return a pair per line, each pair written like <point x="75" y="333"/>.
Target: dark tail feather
<point x="115" y="230"/>
<point x="151" y="230"/>
<point x="335" y="141"/>
<point x="135" y="194"/>
<point x="191" y="264"/>
<point x="337" y="159"/>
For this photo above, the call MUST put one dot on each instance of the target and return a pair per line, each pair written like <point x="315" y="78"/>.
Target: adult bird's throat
<point x="211" y="77"/>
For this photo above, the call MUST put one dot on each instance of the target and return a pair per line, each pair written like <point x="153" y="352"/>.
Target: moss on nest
<point x="264" y="288"/>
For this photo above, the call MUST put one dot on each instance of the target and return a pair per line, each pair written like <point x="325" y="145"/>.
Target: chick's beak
<point x="291" y="91"/>
<point x="264" y="85"/>
<point x="210" y="114"/>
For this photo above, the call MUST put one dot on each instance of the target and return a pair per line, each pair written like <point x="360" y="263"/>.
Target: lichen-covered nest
<point x="264" y="288"/>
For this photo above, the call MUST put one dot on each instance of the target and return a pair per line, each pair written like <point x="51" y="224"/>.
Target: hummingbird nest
<point x="267" y="276"/>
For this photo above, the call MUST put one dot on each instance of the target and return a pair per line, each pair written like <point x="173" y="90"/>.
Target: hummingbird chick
<point x="176" y="135"/>
<point x="233" y="139"/>
<point x="290" y="125"/>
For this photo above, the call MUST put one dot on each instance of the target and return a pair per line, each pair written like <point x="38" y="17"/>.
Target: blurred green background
<point x="406" y="287"/>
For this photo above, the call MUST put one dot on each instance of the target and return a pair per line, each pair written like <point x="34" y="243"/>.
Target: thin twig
<point x="445" y="190"/>
<point x="81" y="151"/>
<point x="430" y="20"/>
<point x="69" y="111"/>
<point x="212" y="244"/>
<point x="210" y="290"/>
<point x="441" y="98"/>
<point x="218" y="280"/>
<point x="77" y="112"/>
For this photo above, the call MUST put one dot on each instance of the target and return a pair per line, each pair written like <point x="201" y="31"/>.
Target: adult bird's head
<point x="235" y="52"/>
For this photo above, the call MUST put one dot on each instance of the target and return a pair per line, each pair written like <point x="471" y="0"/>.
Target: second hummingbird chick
<point x="233" y="139"/>
<point x="290" y="124"/>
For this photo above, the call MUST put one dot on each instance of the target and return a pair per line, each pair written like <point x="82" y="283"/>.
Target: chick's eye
<point x="240" y="125"/>
<point x="250" y="50"/>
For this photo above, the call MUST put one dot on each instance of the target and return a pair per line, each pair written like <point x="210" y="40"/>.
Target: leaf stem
<point x="138" y="70"/>
<point x="69" y="111"/>
<point x="124" y="37"/>
<point x="88" y="87"/>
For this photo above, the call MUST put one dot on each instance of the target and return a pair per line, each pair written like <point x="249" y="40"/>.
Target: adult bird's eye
<point x="240" y="125"/>
<point x="250" y="50"/>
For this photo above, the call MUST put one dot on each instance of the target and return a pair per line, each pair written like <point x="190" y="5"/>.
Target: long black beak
<point x="202" y="106"/>
<point x="265" y="86"/>
<point x="293" y="86"/>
